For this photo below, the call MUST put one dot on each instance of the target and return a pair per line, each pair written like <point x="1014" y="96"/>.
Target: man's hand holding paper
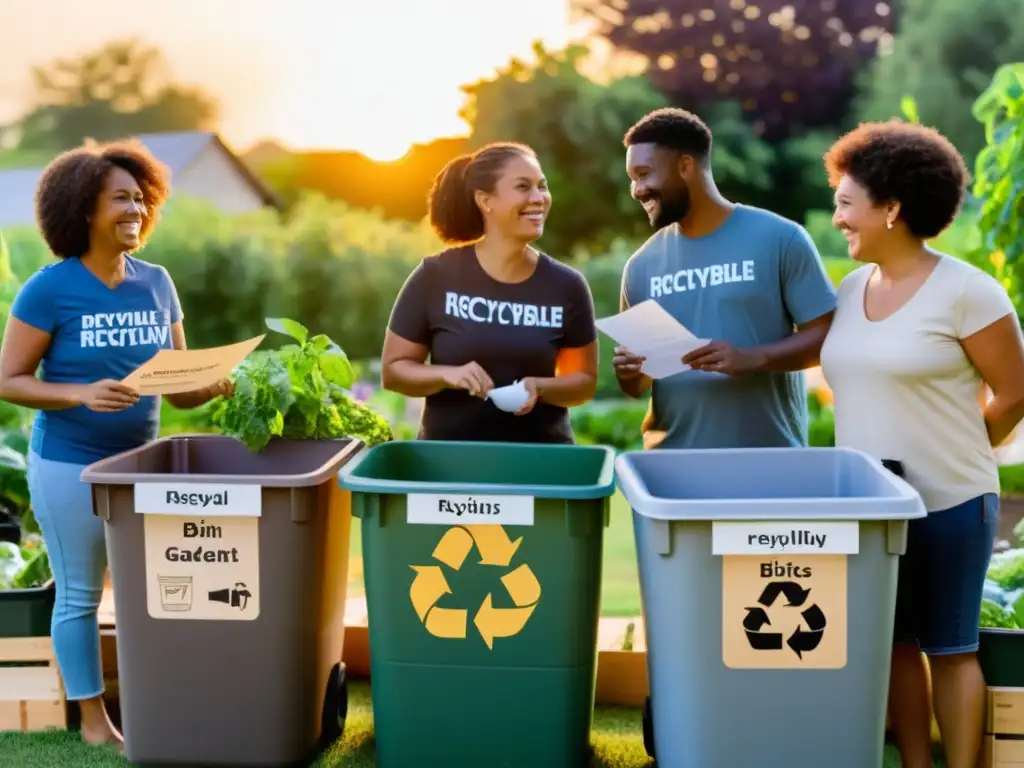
<point x="649" y="336"/>
<point x="722" y="357"/>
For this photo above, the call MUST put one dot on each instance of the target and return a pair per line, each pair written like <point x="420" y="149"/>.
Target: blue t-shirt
<point x="748" y="283"/>
<point x="97" y="332"/>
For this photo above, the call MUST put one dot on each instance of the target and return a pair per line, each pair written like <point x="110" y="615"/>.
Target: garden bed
<point x="1001" y="650"/>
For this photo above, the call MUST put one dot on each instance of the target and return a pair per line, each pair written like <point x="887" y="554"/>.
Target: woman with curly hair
<point x="86" y="322"/>
<point x="916" y="338"/>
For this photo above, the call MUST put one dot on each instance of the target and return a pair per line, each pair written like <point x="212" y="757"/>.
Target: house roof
<point x="17" y="196"/>
<point x="177" y="150"/>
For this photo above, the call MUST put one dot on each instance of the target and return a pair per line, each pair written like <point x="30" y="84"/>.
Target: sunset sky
<point x="372" y="75"/>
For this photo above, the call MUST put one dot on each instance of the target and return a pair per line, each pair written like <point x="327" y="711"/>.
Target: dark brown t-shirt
<point x="511" y="330"/>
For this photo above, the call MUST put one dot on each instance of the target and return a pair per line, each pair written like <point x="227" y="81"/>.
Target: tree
<point x="119" y="90"/>
<point x="790" y="63"/>
<point x="944" y="55"/>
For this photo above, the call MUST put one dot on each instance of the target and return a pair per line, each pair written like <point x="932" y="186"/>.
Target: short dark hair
<point x="905" y="162"/>
<point x="454" y="214"/>
<point x="673" y="128"/>
<point x="70" y="185"/>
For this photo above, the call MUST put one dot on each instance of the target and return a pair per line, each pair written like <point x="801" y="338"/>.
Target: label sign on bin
<point x="469" y="509"/>
<point x="784" y="592"/>
<point x="777" y="537"/>
<point x="202" y="550"/>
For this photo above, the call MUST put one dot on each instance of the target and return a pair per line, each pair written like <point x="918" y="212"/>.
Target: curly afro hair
<point x="904" y="162"/>
<point x="69" y="187"/>
<point x="672" y="128"/>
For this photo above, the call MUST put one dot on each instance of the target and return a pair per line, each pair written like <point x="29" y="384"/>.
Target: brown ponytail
<point x="454" y="214"/>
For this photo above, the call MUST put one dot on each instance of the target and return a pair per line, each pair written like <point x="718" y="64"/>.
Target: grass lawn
<point x="616" y="739"/>
<point x="620" y="587"/>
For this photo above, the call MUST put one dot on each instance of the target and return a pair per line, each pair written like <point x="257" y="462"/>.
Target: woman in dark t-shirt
<point x="491" y="310"/>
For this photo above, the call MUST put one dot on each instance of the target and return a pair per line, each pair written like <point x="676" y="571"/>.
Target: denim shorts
<point x="941" y="576"/>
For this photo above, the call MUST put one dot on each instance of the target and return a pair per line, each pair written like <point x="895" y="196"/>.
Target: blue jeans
<point x="76" y="544"/>
<point x="941" y="576"/>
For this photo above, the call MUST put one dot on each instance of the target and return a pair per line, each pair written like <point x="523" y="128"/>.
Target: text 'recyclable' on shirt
<point x="97" y="332"/>
<point x="903" y="387"/>
<point x="748" y="283"/>
<point x="511" y="330"/>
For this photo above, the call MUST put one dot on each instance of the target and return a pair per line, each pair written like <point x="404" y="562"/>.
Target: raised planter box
<point x="621" y="678"/>
<point x="1001" y="655"/>
<point x="31" y="690"/>
<point x="27" y="612"/>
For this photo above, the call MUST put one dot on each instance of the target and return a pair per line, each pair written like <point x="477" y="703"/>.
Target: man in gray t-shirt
<point x="746" y="278"/>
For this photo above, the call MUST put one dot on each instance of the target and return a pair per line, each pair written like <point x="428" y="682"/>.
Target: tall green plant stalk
<point x="999" y="178"/>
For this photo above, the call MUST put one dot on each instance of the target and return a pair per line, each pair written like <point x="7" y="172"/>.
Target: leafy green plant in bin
<point x="297" y="392"/>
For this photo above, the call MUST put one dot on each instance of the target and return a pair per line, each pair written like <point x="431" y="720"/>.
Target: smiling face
<point x="119" y="213"/>
<point x="520" y="201"/>
<point x="863" y="221"/>
<point x="658" y="181"/>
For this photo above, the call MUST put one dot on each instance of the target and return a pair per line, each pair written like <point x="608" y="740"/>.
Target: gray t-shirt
<point x="748" y="283"/>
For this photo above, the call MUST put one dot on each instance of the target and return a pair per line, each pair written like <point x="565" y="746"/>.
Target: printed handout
<point x="648" y="330"/>
<point x="171" y="371"/>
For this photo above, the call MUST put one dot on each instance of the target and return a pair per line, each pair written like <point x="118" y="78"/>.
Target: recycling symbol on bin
<point x="496" y="550"/>
<point x="803" y="639"/>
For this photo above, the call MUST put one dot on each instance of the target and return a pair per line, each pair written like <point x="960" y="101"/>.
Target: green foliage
<point x="908" y="106"/>
<point x="830" y="241"/>
<point x="9" y="283"/>
<point x="799" y="183"/>
<point x="996" y="616"/>
<point x="25" y="565"/>
<point x="297" y="392"/>
<point x="742" y="161"/>
<point x="610" y="422"/>
<point x="944" y="55"/>
<point x="999" y="169"/>
<point x="821" y="423"/>
<point x="1011" y="479"/>
<point x="1003" y="592"/>
<point x="18" y="159"/>
<point x="616" y="422"/>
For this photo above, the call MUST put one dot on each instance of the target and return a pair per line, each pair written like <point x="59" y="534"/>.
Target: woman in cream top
<point x="916" y="338"/>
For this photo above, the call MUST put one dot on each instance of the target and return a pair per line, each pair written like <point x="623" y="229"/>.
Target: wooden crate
<point x="31" y="697"/>
<point x="1003" y="745"/>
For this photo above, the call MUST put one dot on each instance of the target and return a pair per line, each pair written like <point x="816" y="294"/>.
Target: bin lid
<point x="224" y="460"/>
<point x="541" y="470"/>
<point x="764" y="484"/>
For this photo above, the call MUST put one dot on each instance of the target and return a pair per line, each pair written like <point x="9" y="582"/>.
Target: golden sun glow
<point x="373" y="77"/>
<point x="385" y="149"/>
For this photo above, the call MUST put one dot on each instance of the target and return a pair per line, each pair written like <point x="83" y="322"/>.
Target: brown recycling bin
<point x="229" y="572"/>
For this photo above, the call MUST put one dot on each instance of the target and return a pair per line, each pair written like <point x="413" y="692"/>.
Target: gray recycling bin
<point x="768" y="579"/>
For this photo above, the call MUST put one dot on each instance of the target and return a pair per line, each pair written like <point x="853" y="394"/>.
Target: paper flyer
<point x="171" y="371"/>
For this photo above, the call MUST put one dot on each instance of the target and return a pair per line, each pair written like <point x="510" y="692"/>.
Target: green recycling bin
<point x="482" y="565"/>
